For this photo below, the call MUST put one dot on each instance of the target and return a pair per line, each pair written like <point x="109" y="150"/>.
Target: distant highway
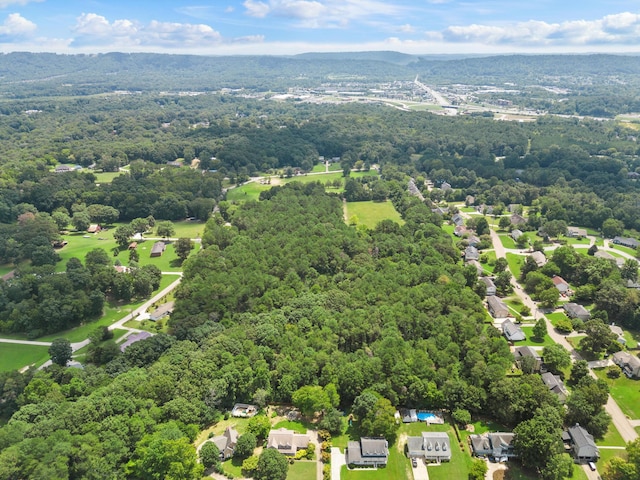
<point x="440" y="100"/>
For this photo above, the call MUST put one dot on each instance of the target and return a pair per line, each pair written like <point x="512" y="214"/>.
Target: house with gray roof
<point x="491" y="287"/>
<point x="581" y="444"/>
<point x="516" y="233"/>
<point x="131" y="339"/>
<point x="512" y="332"/>
<point x="471" y="253"/>
<point x="162" y="311"/>
<point x="368" y="452"/>
<point x="619" y="333"/>
<point x="575" y="310"/>
<point x="226" y="443"/>
<point x="517" y="219"/>
<point x="576" y="232"/>
<point x="286" y="441"/>
<point x="521" y="352"/>
<point x="555" y="385"/>
<point x="539" y="258"/>
<point x="561" y="284"/>
<point x="431" y="446"/>
<point x="497" y="445"/>
<point x="630" y="364"/>
<point x="457" y="219"/>
<point x="497" y="307"/>
<point x="158" y="249"/>
<point x="626" y="242"/>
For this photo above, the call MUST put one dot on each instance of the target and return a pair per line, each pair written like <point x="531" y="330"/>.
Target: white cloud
<point x="320" y="13"/>
<point x="7" y="3"/>
<point x="16" y="25"/>
<point x="96" y="29"/>
<point x="406" y="28"/>
<point x="622" y="28"/>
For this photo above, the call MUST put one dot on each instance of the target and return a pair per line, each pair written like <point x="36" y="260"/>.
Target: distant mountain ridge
<point x="27" y="74"/>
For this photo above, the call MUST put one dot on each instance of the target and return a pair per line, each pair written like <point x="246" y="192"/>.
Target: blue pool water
<point x="424" y="416"/>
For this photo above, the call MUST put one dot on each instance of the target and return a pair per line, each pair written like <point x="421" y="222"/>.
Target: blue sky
<point x="221" y="27"/>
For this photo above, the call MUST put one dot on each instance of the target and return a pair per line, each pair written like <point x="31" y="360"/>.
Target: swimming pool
<point x="425" y="416"/>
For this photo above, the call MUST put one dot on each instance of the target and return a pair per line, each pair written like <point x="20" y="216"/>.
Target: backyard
<point x="14" y="356"/>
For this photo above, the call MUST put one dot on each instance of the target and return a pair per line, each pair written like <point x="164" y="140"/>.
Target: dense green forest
<point x="285" y="295"/>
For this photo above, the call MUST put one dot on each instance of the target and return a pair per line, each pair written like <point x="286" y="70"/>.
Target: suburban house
<point x="286" y="441"/>
<point x="626" y="242"/>
<point x="539" y="258"/>
<point x="470" y="200"/>
<point x="497" y="308"/>
<point x="618" y="332"/>
<point x="473" y="241"/>
<point x="94" y="228"/>
<point x="133" y="245"/>
<point x="512" y="332"/>
<point x="517" y="219"/>
<point x="63" y="169"/>
<point x="471" y="253"/>
<point x="581" y="444"/>
<point x="131" y="339"/>
<point x="445" y="186"/>
<point x="575" y="310"/>
<point x="162" y="311"/>
<point x="516" y="234"/>
<point x="491" y="288"/>
<point x="485" y="209"/>
<point x="370" y="452"/>
<point x="561" y="285"/>
<point x="158" y="249"/>
<point x="440" y="210"/>
<point x="630" y="364"/>
<point x="555" y="385"/>
<point x="431" y="446"/>
<point x="498" y="445"/>
<point x="520" y="352"/>
<point x="460" y="230"/>
<point x="457" y="219"/>
<point x="576" y="232"/>
<point x="226" y="443"/>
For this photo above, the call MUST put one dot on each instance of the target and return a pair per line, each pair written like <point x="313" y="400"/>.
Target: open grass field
<point x="106" y="177"/>
<point x="371" y="213"/>
<point x="248" y="191"/>
<point x="302" y="470"/>
<point x="625" y="392"/>
<point x="14" y="356"/>
<point x="515" y="263"/>
<point x="577" y="241"/>
<point x="489" y="265"/>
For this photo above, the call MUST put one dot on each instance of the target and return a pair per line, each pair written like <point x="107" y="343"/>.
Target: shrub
<point x="614" y="371"/>
<point x="564" y="325"/>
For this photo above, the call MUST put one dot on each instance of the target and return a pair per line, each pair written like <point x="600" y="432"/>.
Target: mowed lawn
<point x="372" y="213"/>
<point x="14" y="356"/>
<point x="302" y="470"/>
<point x="80" y="244"/>
<point x="625" y="392"/>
